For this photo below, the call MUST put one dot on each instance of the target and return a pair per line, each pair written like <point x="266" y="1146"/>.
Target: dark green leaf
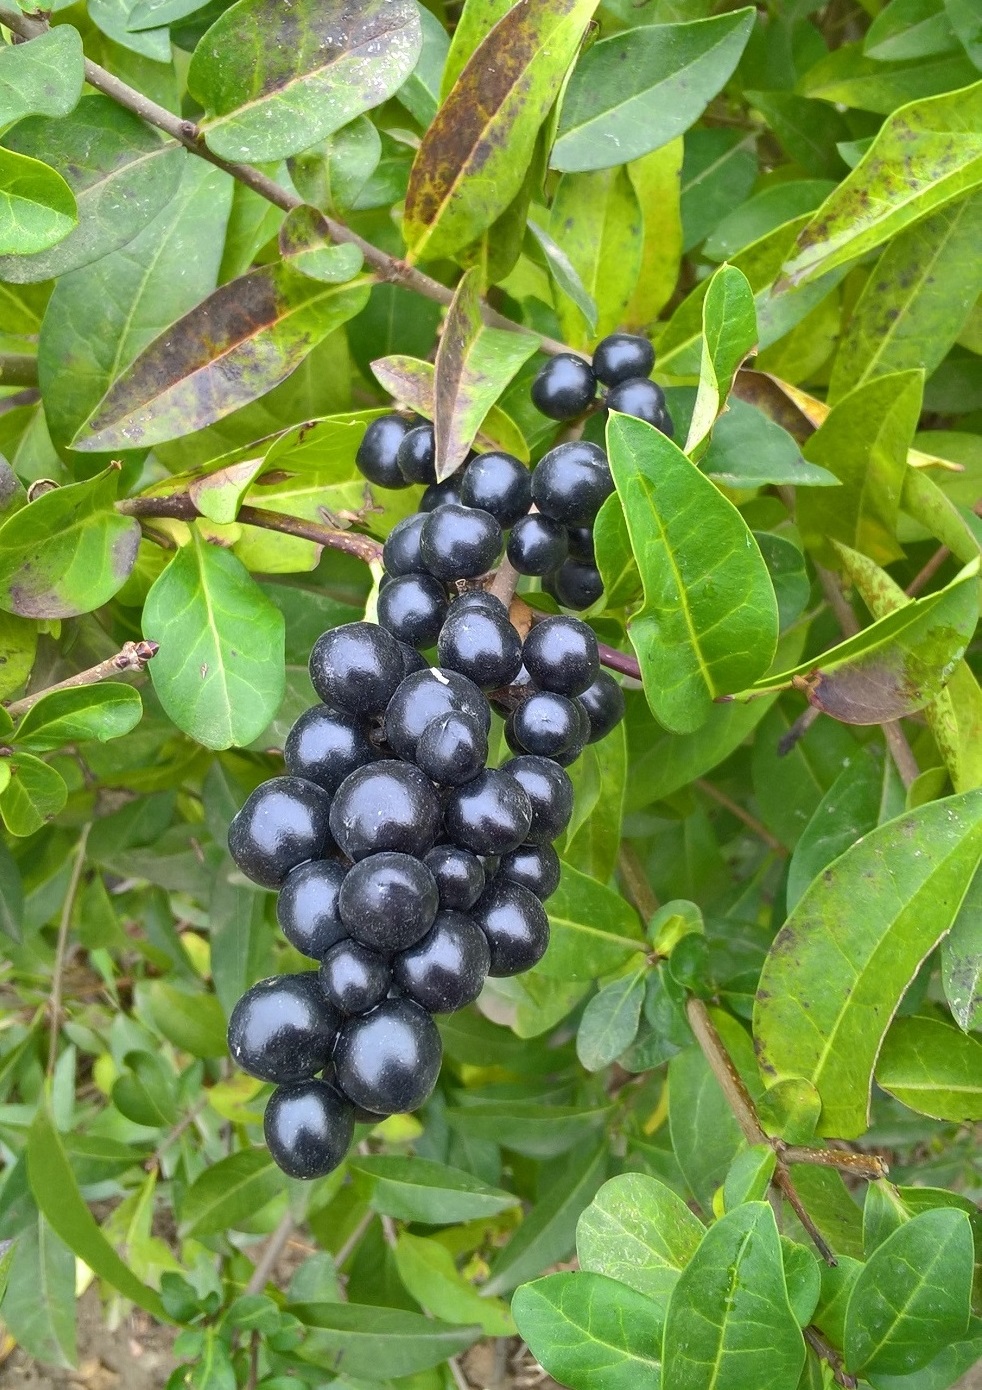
<point x="967" y="24"/>
<point x="11" y="896"/>
<point x="112" y="17"/>
<point x="594" y="930"/>
<point x="230" y="1191"/>
<point x="68" y="551"/>
<point x="809" y="131"/>
<point x="37" y="207"/>
<point x="240" y="939"/>
<point x="786" y="565"/>
<point x="590" y="1332"/>
<point x="332" y="174"/>
<point x="764" y="212"/>
<point x="610" y="1021"/>
<point x="909" y="29"/>
<point x="821" y="1014"/>
<point x="718" y="172"/>
<point x="803" y="1278"/>
<point x="695" y="640"/>
<point x="527" y="1126"/>
<point x="638" y="90"/>
<point x="275" y="81"/>
<point x="729" y="335"/>
<point x="417" y="1189"/>
<point x="705" y="1136"/>
<point x="43" y="77"/>
<point x="100" y="712"/>
<point x="219" y="672"/>
<point x="375" y="1342"/>
<point x="34" y="793"/>
<point x="954" y="1360"/>
<point x="420" y="93"/>
<point x="146" y="1093"/>
<point x="119" y="170"/>
<point x="193" y="1022"/>
<point x="594" y="841"/>
<point x="961" y="960"/>
<point x="305" y="243"/>
<point x="749" y="1178"/>
<point x="39" y="1306"/>
<point x="640" y="1232"/>
<point x="932" y="1068"/>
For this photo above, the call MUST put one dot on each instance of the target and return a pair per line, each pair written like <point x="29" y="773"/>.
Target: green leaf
<point x="909" y="29"/>
<point x="146" y="1092"/>
<point x="937" y="143"/>
<point x="749" y="1178"/>
<point x="477" y="19"/>
<point x="37" y="207"/>
<point x="474" y="364"/>
<point x="803" y="1278"/>
<point x="932" y="1068"/>
<point x="489" y="129"/>
<point x="763" y="213"/>
<point x="639" y="1232"/>
<point x="377" y="1342"/>
<point x="565" y="274"/>
<point x="730" y="1310"/>
<point x="610" y="1021"/>
<point x="219" y="673"/>
<point x="594" y="843"/>
<point x="193" y="1022"/>
<point x="967" y="24"/>
<point x="548" y="1232"/>
<point x="657" y="180"/>
<point x="101" y="317"/>
<point x="420" y="93"/>
<point x="729" y="329"/>
<point x="696" y="637"/>
<point x="112" y="17"/>
<point x="943" y="1371"/>
<point x="596" y="221"/>
<point x="705" y="1135"/>
<point x="275" y="81"/>
<point x="11" y="896"/>
<point x="912" y="1296"/>
<point x="638" y="90"/>
<point x="305" y="243"/>
<point x="155" y="14"/>
<point x="590" y="1332"/>
<point x="718" y="172"/>
<point x="101" y="712"/>
<point x="915" y="303"/>
<point x="34" y="794"/>
<point x="332" y="174"/>
<point x="822" y="1006"/>
<point x="67" y="552"/>
<point x="57" y="1195"/>
<point x="527" y="1126"/>
<point x="417" y="1189"/>
<point x="43" y="77"/>
<point x="39" y="1306"/>
<point x="809" y="131"/>
<point x="119" y="169"/>
<point x="18" y="648"/>
<point x="233" y="347"/>
<point x="961" y="960"/>
<point x="428" y="1272"/>
<point x="594" y="930"/>
<point x="413" y="382"/>
<point x="230" y="1191"/>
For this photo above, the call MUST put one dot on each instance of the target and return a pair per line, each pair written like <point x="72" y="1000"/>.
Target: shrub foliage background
<point x="190" y="349"/>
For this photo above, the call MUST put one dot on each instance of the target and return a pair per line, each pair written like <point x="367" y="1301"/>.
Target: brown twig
<point x="828" y="1353"/>
<point x="272" y="1251"/>
<point x="18" y="369"/>
<point x="351" y="1243"/>
<point x="132" y="656"/>
<point x="58" y="976"/>
<point x="924" y="576"/>
<point x="741" y="813"/>
<point x="639" y="890"/>
<point x="860" y="1165"/>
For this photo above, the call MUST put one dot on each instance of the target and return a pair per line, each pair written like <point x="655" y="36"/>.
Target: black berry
<point x="356" y="667"/>
<point x="416" y="456"/>
<point x="482" y="645"/>
<point x="388" y="901"/>
<point x="620" y="356"/>
<point x="459" y="542"/>
<point x="603" y="702"/>
<point x="411" y="659"/>
<point x="515" y="924"/>
<point x="401" y="553"/>
<point x="490" y="814"/>
<point x="460" y="876"/>
<point x="643" y="399"/>
<point x="385" y="806"/>
<point x="326" y="744"/>
<point x="423" y="697"/>
<point x="387" y="1061"/>
<point x="413" y="608"/>
<point x="447" y="969"/>
<point x="307" y="907"/>
<point x="442" y="494"/>
<point x="561" y="654"/>
<point x="283" y="1029"/>
<point x="550" y="793"/>
<point x="564" y="387"/>
<point x="545" y="724"/>
<point x="535" y="867"/>
<point x="452" y="749"/>
<point x="376" y="456"/>
<point x="575" y="585"/>
<point x="581" y="546"/>
<point x="571" y="482"/>
<point x="283" y="823"/>
<point x="308" y="1128"/>
<point x="497" y="483"/>
<point x="354" y="978"/>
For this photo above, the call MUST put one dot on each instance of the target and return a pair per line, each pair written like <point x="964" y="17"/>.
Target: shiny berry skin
<point x="376" y="456"/>
<point x="354" y="978"/>
<point x="570" y="754"/>
<point x="515" y="924"/>
<point x="388" y="1060"/>
<point x="477" y="601"/>
<point x="603" y="702"/>
<point x="497" y="483"/>
<point x="385" y="806"/>
<point x="561" y="654"/>
<point x="643" y="399"/>
<point x="388" y="901"/>
<point x="481" y="645"/>
<point x="564" y="387"/>
<point x="423" y="697"/>
<point x="460" y="876"/>
<point x="416" y="456"/>
<point x="441" y="494"/>
<point x="308" y="1128"/>
<point x="459" y="542"/>
<point x="356" y="667"/>
<point x="490" y="814"/>
<point x="537" y="544"/>
<point x="283" y="823"/>
<point x="401" y="553"/>
<point x="620" y="356"/>
<point x="575" y="585"/>
<point x="545" y="724"/>
<point x="411" y="659"/>
<point x="326" y="744"/>
<point x="550" y="793"/>
<point x="413" y="608"/>
<point x="581" y="546"/>
<point x="452" y="749"/>
<point x="535" y="867"/>
<point x="283" y="1029"/>
<point x="447" y="969"/>
<point x="571" y="482"/>
<point x="307" y="907"/>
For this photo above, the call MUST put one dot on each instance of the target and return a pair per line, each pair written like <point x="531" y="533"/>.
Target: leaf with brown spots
<point x="412" y="382"/>
<point x="474" y="364"/>
<point x="925" y="154"/>
<point x="275" y="78"/>
<point x="305" y="243"/>
<point x="474" y="155"/>
<point x="230" y="349"/>
<point x="839" y="966"/>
